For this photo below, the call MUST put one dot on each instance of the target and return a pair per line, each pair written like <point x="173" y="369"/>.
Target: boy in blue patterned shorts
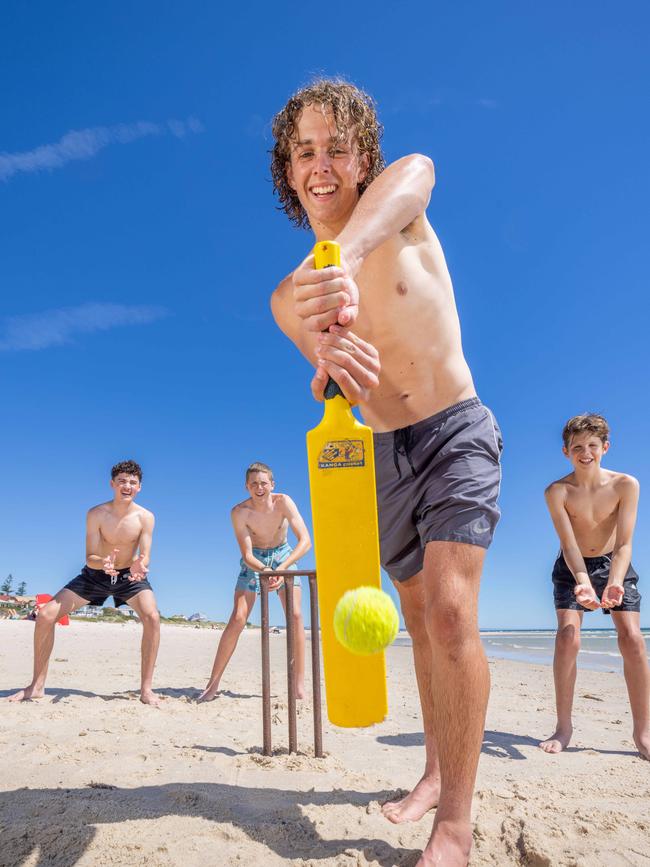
<point x="261" y="523"/>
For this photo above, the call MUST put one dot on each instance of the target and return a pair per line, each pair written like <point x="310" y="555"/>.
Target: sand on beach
<point x="90" y="776"/>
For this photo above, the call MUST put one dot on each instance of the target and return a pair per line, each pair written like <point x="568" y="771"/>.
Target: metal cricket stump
<point x="289" y="575"/>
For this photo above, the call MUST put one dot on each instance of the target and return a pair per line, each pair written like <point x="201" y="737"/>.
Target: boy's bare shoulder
<point x="100" y="508"/>
<point x="624" y="482"/>
<point x="559" y="487"/>
<point x="244" y="506"/>
<point x="144" y="513"/>
<point x="282" y="501"/>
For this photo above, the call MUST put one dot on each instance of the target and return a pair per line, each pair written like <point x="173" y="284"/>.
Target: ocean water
<point x="599" y="649"/>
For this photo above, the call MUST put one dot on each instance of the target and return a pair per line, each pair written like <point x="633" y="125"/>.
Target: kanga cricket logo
<point x="341" y="453"/>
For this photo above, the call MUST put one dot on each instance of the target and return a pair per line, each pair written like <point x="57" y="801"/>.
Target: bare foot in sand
<point x="413" y="806"/>
<point x="208" y="694"/>
<point x="27" y="694"/>
<point x="147" y="696"/>
<point x="300" y="690"/>
<point x="558" y="741"/>
<point x="642" y="742"/>
<point x="450" y="844"/>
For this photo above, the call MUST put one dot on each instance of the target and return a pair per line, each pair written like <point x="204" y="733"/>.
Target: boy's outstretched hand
<point x="109" y="563"/>
<point x="586" y="596"/>
<point x="612" y="596"/>
<point x="352" y="363"/>
<point x="138" y="571"/>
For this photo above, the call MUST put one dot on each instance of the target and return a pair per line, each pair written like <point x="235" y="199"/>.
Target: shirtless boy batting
<point x="118" y="549"/>
<point x="437" y="448"/>
<point x="261" y="523"/>
<point x="594" y="512"/>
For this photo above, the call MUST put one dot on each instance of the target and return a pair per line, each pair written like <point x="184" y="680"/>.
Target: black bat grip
<point x="332" y="389"/>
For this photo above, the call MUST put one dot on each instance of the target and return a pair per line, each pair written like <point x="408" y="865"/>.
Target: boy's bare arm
<point x="243" y="536"/>
<point x="289" y="323"/>
<point x="140" y="563"/>
<point x="625" y="523"/>
<point x="303" y="541"/>
<point x="556" y="502"/>
<point x="397" y="197"/>
<point x="94" y="543"/>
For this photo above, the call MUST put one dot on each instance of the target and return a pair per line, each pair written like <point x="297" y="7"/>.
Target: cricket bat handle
<point x="327" y="254"/>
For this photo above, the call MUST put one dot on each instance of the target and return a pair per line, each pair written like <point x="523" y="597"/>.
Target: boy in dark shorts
<point x="391" y="306"/>
<point x="118" y="549"/>
<point x="594" y="513"/>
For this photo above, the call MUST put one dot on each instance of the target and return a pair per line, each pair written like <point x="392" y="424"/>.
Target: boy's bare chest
<point x="399" y="278"/>
<point x="265" y="525"/>
<point x="591" y="510"/>
<point x="120" y="530"/>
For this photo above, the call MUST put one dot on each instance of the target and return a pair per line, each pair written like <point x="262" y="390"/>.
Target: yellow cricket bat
<point x="346" y="539"/>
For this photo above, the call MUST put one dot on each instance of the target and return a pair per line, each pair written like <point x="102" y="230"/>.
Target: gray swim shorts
<point x="437" y="481"/>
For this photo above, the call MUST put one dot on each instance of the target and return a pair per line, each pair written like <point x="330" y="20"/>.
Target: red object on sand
<point x="42" y="598"/>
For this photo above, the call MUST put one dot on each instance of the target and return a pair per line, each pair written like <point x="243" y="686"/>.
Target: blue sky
<point x="139" y="244"/>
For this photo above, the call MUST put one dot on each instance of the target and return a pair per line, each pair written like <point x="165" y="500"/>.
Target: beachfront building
<point x="94" y="611"/>
<point x="12" y="606"/>
<point x="89" y="611"/>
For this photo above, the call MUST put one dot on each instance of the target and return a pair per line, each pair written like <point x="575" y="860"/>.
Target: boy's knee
<point x="568" y="639"/>
<point x="48" y="614"/>
<point x="449" y="627"/>
<point x="631" y="643"/>
<point x="238" y="619"/>
<point x="151" y="619"/>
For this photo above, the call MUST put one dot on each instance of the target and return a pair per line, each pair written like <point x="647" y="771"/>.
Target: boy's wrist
<point x="351" y="256"/>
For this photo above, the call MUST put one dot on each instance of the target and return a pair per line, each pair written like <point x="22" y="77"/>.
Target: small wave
<point x="529" y="647"/>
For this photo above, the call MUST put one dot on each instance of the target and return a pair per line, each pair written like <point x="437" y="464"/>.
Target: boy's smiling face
<point x="259" y="485"/>
<point x="585" y="450"/>
<point x="325" y="172"/>
<point x="126" y="486"/>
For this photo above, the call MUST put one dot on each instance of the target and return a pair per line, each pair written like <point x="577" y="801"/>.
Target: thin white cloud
<point x="34" y="331"/>
<point x="82" y="144"/>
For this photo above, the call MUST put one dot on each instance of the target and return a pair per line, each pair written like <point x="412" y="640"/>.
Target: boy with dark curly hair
<point x="594" y="513"/>
<point x="384" y="326"/>
<point x="118" y="549"/>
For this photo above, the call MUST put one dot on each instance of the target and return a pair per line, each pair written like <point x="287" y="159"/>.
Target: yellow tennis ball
<point x="365" y="620"/>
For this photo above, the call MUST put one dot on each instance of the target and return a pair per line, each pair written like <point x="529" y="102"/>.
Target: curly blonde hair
<point x="354" y="114"/>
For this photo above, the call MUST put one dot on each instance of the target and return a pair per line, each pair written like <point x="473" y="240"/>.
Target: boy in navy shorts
<point x="594" y="513"/>
<point x="118" y="548"/>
